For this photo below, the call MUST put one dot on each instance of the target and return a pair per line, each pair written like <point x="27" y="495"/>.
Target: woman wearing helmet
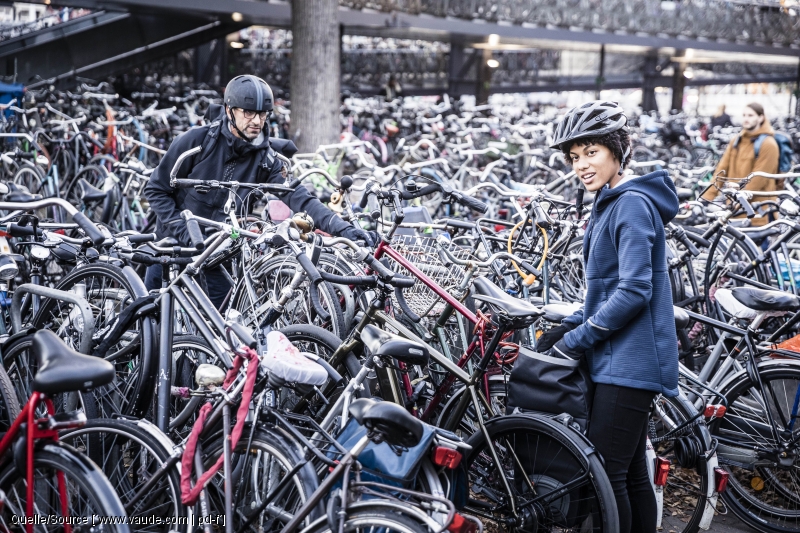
<point x="626" y="330"/>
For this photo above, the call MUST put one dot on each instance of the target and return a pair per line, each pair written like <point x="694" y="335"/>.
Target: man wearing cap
<point x="235" y="147"/>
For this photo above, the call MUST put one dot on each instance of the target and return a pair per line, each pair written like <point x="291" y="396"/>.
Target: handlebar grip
<point x="311" y="270"/>
<point x="186" y="183"/>
<point x="144" y="237"/>
<point x="428" y="189"/>
<point x="348" y="280"/>
<point x="748" y="209"/>
<point x="684" y="240"/>
<point x="472" y="203"/>
<point x="144" y="259"/>
<point x="530" y="268"/>
<point x="364" y="198"/>
<point x="401" y="300"/>
<point x="15" y="230"/>
<point x="460" y="224"/>
<point x="403" y="282"/>
<point x="195" y="235"/>
<point x="92" y="231"/>
<point x="379" y="268"/>
<point x="244" y="335"/>
<point x="313" y="293"/>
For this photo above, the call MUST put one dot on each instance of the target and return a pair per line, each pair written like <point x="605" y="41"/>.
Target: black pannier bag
<point x="551" y="385"/>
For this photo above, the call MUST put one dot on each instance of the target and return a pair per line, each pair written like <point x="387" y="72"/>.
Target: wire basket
<point x="425" y="254"/>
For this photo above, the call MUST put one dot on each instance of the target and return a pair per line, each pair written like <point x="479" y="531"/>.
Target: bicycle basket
<point x="426" y="256"/>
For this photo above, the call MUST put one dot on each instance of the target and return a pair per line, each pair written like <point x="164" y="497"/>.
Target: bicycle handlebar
<point x="193" y="228"/>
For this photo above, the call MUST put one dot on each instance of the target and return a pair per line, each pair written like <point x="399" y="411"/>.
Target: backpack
<point x="785" y="149"/>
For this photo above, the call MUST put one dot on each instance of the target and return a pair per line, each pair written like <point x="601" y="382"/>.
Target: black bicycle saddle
<point x="62" y="369"/>
<point x="384" y="344"/>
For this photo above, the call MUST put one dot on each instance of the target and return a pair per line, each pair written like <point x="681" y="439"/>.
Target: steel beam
<point x="439" y="28"/>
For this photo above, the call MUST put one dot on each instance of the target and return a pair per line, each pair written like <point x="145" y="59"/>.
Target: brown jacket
<point x="739" y="161"/>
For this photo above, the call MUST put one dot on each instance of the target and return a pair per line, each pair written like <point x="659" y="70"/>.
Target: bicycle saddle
<point x="556" y="312"/>
<point x="388" y="422"/>
<point x="62" y="369"/>
<point x="681" y="318"/>
<point x="89" y="193"/>
<point x="384" y="344"/>
<point x="285" y="362"/>
<point x="20" y="193"/>
<point x="515" y="312"/>
<point x="762" y="300"/>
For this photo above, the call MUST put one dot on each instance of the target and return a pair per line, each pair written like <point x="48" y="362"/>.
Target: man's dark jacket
<point x="227" y="159"/>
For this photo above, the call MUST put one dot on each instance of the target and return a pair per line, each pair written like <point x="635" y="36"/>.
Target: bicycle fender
<point x="15" y="336"/>
<point x="135" y="282"/>
<point x="711" y="496"/>
<point x="650" y="454"/>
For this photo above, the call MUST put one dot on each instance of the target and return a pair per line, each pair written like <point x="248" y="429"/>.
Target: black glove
<point x="561" y="350"/>
<point x="549" y="338"/>
<point x="357" y="234"/>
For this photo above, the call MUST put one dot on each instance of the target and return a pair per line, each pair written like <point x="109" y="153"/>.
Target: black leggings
<point x="618" y="429"/>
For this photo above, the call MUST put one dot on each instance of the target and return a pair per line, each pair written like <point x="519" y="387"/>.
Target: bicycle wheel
<point x="686" y="492"/>
<point x="543" y="480"/>
<point x="108" y="292"/>
<point x="188" y="352"/>
<point x="764" y="474"/>
<point x="257" y="466"/>
<point x="130" y="456"/>
<point x="89" y="494"/>
<point x="373" y="520"/>
<point x="266" y="285"/>
<point x="9" y="404"/>
<point x="323" y="344"/>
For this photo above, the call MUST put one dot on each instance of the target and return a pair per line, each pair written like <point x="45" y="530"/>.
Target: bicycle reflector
<point x="462" y="525"/>
<point x="446" y="457"/>
<point x="662" y="472"/>
<point x="714" y="411"/>
<point x="720" y="479"/>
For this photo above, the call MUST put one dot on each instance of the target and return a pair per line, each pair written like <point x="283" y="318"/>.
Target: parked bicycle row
<point x="234" y="365"/>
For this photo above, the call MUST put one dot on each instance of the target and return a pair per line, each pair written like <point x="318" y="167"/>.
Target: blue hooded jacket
<point x="627" y="326"/>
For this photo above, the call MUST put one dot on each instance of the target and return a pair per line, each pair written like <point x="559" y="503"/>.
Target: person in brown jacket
<point x="739" y="159"/>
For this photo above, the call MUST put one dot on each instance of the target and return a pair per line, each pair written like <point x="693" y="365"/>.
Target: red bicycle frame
<point x="34" y="432"/>
<point x="439" y="395"/>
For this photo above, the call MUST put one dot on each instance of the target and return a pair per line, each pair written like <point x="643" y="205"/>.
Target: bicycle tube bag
<point x="379" y="462"/>
<point x="545" y="384"/>
<point x="785" y="149"/>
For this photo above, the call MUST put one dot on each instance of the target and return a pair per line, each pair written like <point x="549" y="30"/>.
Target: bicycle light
<point x="662" y="472"/>
<point x="462" y="525"/>
<point x="720" y="479"/>
<point x="446" y="457"/>
<point x="8" y="267"/>
<point x="714" y="411"/>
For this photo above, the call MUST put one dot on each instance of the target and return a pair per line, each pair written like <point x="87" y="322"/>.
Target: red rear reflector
<point x="714" y="411"/>
<point x="446" y="457"/>
<point x="462" y="525"/>
<point x="499" y="227"/>
<point x="662" y="472"/>
<point x="720" y="479"/>
<point x="721" y="410"/>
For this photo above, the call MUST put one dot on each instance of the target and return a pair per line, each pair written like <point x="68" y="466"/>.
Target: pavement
<point x="721" y="524"/>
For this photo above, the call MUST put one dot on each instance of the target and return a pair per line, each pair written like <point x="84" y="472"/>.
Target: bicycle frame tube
<point x="385" y="248"/>
<point x="34" y="433"/>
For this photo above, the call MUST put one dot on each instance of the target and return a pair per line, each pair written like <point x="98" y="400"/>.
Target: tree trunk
<point x="315" y="76"/>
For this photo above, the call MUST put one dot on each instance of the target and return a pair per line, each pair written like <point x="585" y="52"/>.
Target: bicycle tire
<point x="90" y="493"/>
<point x="9" y="404"/>
<point x="265" y="442"/>
<point x="590" y="506"/>
<point x="121" y="448"/>
<point x="109" y="292"/>
<point x="299" y="310"/>
<point x="748" y="500"/>
<point x="369" y="520"/>
<point x="323" y="343"/>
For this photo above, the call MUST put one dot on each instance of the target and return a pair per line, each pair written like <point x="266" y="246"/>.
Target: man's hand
<point x="356" y="234"/>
